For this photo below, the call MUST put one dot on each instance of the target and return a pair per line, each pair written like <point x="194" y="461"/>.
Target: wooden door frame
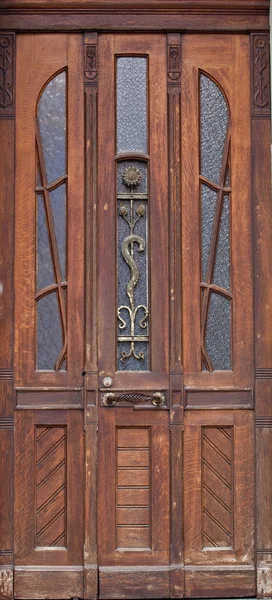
<point x="176" y="15"/>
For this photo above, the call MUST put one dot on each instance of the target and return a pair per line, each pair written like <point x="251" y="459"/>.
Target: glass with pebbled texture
<point x="52" y="122"/>
<point x="132" y="104"/>
<point x="49" y="332"/>
<point x="221" y="274"/>
<point x="213" y="128"/>
<point x="218" y="332"/>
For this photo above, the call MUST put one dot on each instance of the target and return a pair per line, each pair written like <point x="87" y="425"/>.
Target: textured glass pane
<point x="131" y="104"/>
<point x="132" y="364"/>
<point x="52" y="122"/>
<point x="58" y="203"/>
<point x="213" y="127"/>
<point x="49" y="332"/>
<point x="45" y="271"/>
<point x="208" y="202"/>
<point x="221" y="275"/>
<point x="218" y="332"/>
<point x="132" y="260"/>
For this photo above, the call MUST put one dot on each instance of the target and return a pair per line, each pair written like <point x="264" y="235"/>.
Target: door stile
<point x="7" y="163"/>
<point x="174" y="59"/>
<point x="91" y="370"/>
<point x="261" y="195"/>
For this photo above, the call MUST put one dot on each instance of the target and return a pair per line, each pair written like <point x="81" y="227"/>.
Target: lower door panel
<point x="133" y="508"/>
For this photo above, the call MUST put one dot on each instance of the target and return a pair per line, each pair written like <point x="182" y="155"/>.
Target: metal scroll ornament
<point x="111" y="398"/>
<point x="131" y="179"/>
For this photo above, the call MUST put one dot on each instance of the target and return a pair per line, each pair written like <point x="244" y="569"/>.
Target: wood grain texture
<point x="263" y="486"/>
<point x="134" y="582"/>
<point x="6" y="583"/>
<point x="133" y="15"/>
<point x="67" y="470"/>
<point x="218" y="582"/>
<point x="147" y="541"/>
<point x="209" y="466"/>
<point x="260" y="76"/>
<point x="6" y="488"/>
<point x="154" y="48"/>
<point x="226" y="61"/>
<point x="39" y="584"/>
<point x="41" y="57"/>
<point x="264" y="574"/>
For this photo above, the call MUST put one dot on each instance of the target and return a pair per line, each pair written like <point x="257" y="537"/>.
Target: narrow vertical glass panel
<point x="208" y="203"/>
<point x="58" y="203"/>
<point x="131" y="104"/>
<point x="52" y="124"/>
<point x="218" y="332"/>
<point x="45" y="270"/>
<point x="221" y="275"/>
<point x="132" y="261"/>
<point x="49" y="331"/>
<point x="213" y="128"/>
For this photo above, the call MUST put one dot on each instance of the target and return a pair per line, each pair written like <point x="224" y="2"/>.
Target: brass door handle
<point x="157" y="399"/>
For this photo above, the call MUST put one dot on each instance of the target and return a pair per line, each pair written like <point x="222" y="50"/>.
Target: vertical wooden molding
<point x="176" y="414"/>
<point x="7" y="136"/>
<point x="7" y="75"/>
<point x="262" y="210"/>
<point x="90" y="379"/>
<point x="260" y="71"/>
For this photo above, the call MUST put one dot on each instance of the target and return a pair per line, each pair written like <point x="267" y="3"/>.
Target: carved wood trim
<point x="181" y="6"/>
<point x="90" y="375"/>
<point x="260" y="75"/>
<point x="263" y="373"/>
<point x="6" y="422"/>
<point x="7" y="75"/>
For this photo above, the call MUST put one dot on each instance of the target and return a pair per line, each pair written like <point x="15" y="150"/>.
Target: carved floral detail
<point x="261" y="94"/>
<point x="90" y="62"/>
<point x="174" y="63"/>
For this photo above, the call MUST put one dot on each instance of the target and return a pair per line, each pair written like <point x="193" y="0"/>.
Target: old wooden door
<point x="133" y="359"/>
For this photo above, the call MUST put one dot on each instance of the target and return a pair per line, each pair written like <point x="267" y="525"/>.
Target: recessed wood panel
<point x="218" y="488"/>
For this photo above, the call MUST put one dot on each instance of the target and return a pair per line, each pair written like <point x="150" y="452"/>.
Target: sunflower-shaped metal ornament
<point x="131" y="177"/>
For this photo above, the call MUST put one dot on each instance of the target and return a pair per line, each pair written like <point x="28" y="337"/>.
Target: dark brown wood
<point x="214" y="443"/>
<point x="134" y="582"/>
<point x="7" y="135"/>
<point x="210" y="582"/>
<point x="49" y="522"/>
<point x="133" y="15"/>
<point x="157" y="377"/>
<point x="261" y="182"/>
<point x="260" y="79"/>
<point x="91" y="371"/>
<point x="68" y="582"/>
<point x="60" y="52"/>
<point x="228" y="64"/>
<point x="199" y="399"/>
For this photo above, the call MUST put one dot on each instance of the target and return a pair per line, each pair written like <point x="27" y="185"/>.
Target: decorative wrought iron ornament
<point x="111" y="398"/>
<point x="131" y="213"/>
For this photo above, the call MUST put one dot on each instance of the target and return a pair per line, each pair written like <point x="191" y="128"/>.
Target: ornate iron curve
<point x="132" y="178"/>
<point x="111" y="398"/>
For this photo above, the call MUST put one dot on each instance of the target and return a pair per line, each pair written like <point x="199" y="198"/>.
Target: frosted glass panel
<point x="131" y="104"/>
<point x="45" y="271"/>
<point x="213" y="128"/>
<point x="208" y="203"/>
<point x="49" y="332"/>
<point x="221" y="275"/>
<point x="218" y="332"/>
<point x="58" y="203"/>
<point x="52" y="123"/>
<point x="132" y="261"/>
<point x="51" y="228"/>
